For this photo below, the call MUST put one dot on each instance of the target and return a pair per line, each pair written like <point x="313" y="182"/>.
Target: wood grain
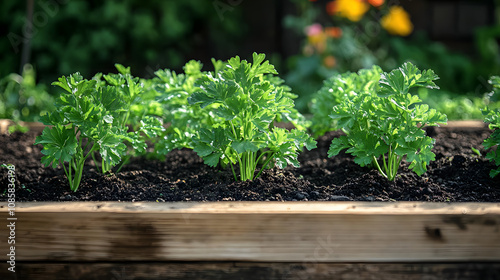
<point x="34" y="126"/>
<point x="261" y="232"/>
<point x="253" y="271"/>
<point x="38" y="126"/>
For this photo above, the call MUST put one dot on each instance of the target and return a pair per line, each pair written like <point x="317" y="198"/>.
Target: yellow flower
<point x="397" y="22"/>
<point x="318" y="41"/>
<point x="316" y="36"/>
<point x="353" y="10"/>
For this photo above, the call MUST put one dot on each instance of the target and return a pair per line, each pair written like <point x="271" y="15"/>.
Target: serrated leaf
<point x="225" y="113"/>
<point x="494" y="173"/>
<point x="110" y="99"/>
<point x="111" y="147"/>
<point x="422" y="156"/>
<point x="59" y="145"/>
<point x="136" y="141"/>
<point x="259" y="68"/>
<point x="212" y="160"/>
<point x="363" y="160"/>
<point x="310" y="143"/>
<point x="122" y="69"/>
<point x="392" y="83"/>
<point x="152" y="126"/>
<point x="203" y="149"/>
<point x="337" y="145"/>
<point x="244" y="146"/>
<point x="200" y="97"/>
<point x="108" y="119"/>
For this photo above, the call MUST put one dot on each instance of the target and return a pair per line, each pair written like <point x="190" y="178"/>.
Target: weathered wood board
<point x="258" y="232"/>
<point x="252" y="271"/>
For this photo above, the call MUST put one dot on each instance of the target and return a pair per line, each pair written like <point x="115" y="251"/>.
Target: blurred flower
<point x="350" y="9"/>
<point x="397" y="22"/>
<point x="334" y="32"/>
<point x="330" y="61"/>
<point x="313" y="29"/>
<point x="308" y="50"/>
<point x="376" y="3"/>
<point x="316" y="37"/>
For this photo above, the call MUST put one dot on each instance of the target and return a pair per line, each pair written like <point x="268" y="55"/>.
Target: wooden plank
<point x="261" y="231"/>
<point x="252" y="207"/>
<point x="254" y="271"/>
<point x="38" y="126"/>
<point x="34" y="126"/>
<point x="465" y="124"/>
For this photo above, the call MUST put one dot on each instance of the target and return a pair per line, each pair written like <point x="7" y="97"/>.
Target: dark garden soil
<point x="457" y="174"/>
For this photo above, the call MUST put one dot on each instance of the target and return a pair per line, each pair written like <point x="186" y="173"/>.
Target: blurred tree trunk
<point x="25" y="55"/>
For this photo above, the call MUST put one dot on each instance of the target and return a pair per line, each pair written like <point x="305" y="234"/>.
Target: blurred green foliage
<point x="457" y="106"/>
<point x="22" y="99"/>
<point x="358" y="47"/>
<point x="91" y="36"/>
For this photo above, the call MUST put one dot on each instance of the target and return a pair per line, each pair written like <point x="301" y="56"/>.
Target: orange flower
<point x="331" y="7"/>
<point x="330" y="61"/>
<point x="397" y="22"/>
<point x="376" y="3"/>
<point x="353" y="10"/>
<point x="334" y="32"/>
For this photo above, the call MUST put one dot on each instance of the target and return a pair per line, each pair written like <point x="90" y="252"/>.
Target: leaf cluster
<point x="183" y="120"/>
<point x="243" y="103"/>
<point x="493" y="141"/>
<point x="385" y="125"/>
<point x="335" y="90"/>
<point x="92" y="118"/>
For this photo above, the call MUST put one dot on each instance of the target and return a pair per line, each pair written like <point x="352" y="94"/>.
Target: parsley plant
<point x="243" y="104"/>
<point x="92" y="117"/>
<point x="335" y="90"/>
<point x="384" y="126"/>
<point x="493" y="118"/>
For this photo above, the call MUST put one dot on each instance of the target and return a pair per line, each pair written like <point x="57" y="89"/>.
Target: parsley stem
<point x="126" y="160"/>
<point x="95" y="163"/>
<point x="232" y="169"/>
<point x="378" y="166"/>
<point x="385" y="163"/>
<point x="265" y="163"/>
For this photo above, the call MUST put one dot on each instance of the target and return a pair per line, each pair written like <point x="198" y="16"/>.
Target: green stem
<point x="232" y="169"/>
<point x="261" y="155"/>
<point x="265" y="164"/>
<point x="106" y="167"/>
<point x="78" y="175"/>
<point x="245" y="168"/>
<point x="95" y="162"/>
<point x="393" y="163"/>
<point x="240" y="163"/>
<point x="252" y="165"/>
<point x="378" y="166"/>
<point x="385" y="163"/>
<point x="126" y="160"/>
<point x="66" y="172"/>
<point x="70" y="177"/>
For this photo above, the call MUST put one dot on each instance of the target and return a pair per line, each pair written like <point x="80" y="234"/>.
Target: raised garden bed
<point x="259" y="240"/>
<point x="243" y="240"/>
<point x="457" y="174"/>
